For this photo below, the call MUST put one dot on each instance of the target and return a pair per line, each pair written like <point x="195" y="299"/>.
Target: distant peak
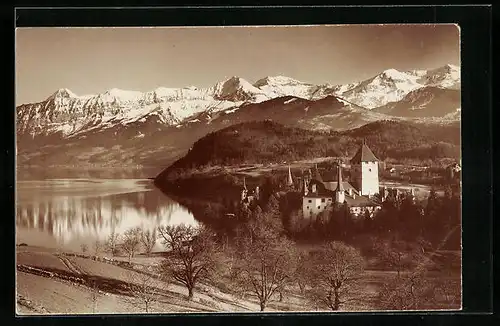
<point x="276" y="80"/>
<point x="392" y="73"/>
<point x="63" y="93"/>
<point x="123" y="94"/>
<point x="114" y="91"/>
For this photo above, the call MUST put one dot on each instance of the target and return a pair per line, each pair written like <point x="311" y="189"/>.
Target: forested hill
<point x="267" y="142"/>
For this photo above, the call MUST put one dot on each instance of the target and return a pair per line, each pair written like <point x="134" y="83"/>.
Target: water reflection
<point x="78" y="211"/>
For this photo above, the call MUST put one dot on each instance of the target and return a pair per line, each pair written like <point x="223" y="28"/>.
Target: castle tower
<point x="339" y="192"/>
<point x="365" y="171"/>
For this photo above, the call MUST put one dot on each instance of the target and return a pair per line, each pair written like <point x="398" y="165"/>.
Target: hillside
<point x="268" y="141"/>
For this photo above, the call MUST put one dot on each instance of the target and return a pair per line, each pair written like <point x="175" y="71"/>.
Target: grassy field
<point x="51" y="283"/>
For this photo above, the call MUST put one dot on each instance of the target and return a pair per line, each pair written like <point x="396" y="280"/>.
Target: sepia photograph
<point x="238" y="169"/>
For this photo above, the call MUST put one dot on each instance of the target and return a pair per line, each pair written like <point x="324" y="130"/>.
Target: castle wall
<point x="369" y="178"/>
<point x="311" y="206"/>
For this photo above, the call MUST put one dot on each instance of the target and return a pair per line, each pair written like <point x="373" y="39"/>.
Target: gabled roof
<point x="321" y="189"/>
<point x="364" y="154"/>
<point x="332" y="186"/>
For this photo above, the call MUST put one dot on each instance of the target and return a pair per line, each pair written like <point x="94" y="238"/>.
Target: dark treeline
<point x="435" y="221"/>
<point x="267" y="141"/>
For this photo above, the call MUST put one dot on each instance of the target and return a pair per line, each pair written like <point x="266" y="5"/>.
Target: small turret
<point x="385" y="194"/>
<point x="289" y="181"/>
<point x="339" y="192"/>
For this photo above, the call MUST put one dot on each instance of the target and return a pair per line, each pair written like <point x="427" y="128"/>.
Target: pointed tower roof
<point x="340" y="186"/>
<point x="290" y="179"/>
<point x="364" y="154"/>
<point x="317" y="175"/>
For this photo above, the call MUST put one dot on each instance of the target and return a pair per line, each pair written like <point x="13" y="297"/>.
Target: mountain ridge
<point x="130" y="126"/>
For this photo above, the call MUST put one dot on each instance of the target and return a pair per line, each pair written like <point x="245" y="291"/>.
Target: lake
<point x="66" y="213"/>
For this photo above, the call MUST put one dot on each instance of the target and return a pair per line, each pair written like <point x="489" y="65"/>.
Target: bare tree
<point x="408" y="292"/>
<point x="333" y="273"/>
<point x="97" y="248"/>
<point x="191" y="256"/>
<point x="131" y="242"/>
<point x="301" y="272"/>
<point x="145" y="289"/>
<point x="94" y="295"/>
<point x="397" y="254"/>
<point x="112" y="243"/>
<point x="148" y="240"/>
<point x="451" y="292"/>
<point x="264" y="267"/>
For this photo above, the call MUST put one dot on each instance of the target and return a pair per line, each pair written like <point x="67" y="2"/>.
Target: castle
<point x="318" y="195"/>
<point x="363" y="195"/>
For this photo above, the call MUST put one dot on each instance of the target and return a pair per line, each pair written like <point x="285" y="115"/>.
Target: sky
<point x="93" y="60"/>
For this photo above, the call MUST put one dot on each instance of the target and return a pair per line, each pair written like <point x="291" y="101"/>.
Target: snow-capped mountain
<point x="427" y="101"/>
<point x="392" y="85"/>
<point x="67" y="114"/>
<point x="278" y="86"/>
<point x="130" y="127"/>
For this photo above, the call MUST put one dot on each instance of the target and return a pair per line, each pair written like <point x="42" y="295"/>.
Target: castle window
<point x="309" y="201"/>
<point x="319" y="207"/>
<point x="307" y="207"/>
<point x="369" y="170"/>
<point x="322" y="200"/>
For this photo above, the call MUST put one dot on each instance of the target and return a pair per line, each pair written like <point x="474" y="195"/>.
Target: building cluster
<point x="361" y="194"/>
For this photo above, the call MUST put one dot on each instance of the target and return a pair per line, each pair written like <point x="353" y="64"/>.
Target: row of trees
<point x="260" y="260"/>
<point x="130" y="242"/>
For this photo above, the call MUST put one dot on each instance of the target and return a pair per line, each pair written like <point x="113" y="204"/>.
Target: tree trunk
<point x="262" y="306"/>
<point x="336" y="303"/>
<point x="190" y="293"/>
<point x="147" y="310"/>
<point x="281" y="297"/>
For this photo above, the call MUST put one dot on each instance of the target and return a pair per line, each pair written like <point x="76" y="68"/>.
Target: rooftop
<point x="364" y="154"/>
